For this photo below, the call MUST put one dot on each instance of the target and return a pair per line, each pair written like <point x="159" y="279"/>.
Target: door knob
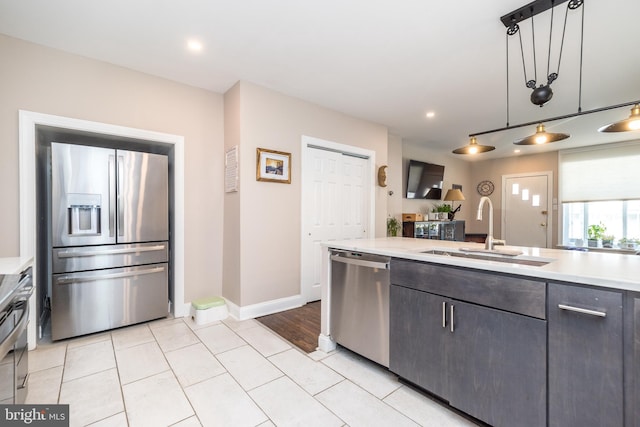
<point x="543" y="224"/>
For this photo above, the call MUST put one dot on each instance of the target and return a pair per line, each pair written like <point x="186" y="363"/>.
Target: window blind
<point x="602" y="172"/>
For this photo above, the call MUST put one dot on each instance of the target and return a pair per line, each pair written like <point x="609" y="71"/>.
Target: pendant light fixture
<point x="473" y="148"/>
<point x="542" y="94"/>
<point x="541" y="137"/>
<point x="629" y="124"/>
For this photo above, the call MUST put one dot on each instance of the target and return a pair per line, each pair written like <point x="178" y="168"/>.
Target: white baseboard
<point x="325" y="343"/>
<point x="264" y="308"/>
<point x="182" y="310"/>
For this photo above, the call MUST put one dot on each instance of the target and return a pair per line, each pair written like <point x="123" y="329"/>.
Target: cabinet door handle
<point x="451" y="317"/>
<point x="582" y="310"/>
<point x="444" y="314"/>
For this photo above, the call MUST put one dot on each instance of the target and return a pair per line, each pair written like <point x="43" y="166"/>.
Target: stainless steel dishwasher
<point x="360" y="303"/>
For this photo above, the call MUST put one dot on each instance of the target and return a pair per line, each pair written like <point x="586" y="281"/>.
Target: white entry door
<point x="526" y="209"/>
<point x="335" y="206"/>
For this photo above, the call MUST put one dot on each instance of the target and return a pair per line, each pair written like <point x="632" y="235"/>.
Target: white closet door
<point x="335" y="206"/>
<point x="354" y="196"/>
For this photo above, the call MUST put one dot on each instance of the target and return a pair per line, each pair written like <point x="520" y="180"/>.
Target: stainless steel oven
<point x="15" y="291"/>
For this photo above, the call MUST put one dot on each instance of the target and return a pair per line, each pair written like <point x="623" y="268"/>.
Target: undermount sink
<point x="506" y="256"/>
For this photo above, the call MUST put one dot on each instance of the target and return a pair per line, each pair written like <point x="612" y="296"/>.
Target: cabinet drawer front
<point x="504" y="292"/>
<point x="93" y="301"/>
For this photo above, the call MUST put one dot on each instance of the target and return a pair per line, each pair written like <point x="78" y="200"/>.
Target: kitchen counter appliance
<point x="15" y="291"/>
<point x="110" y="232"/>
<point x="360" y="303"/>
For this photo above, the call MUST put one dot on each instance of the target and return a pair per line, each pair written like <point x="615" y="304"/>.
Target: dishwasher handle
<point x="360" y="262"/>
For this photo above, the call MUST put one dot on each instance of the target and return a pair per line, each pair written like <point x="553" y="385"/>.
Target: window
<point x="621" y="219"/>
<point x="598" y="186"/>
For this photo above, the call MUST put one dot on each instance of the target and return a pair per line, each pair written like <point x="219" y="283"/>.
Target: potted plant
<point x="393" y="225"/>
<point x="595" y="233"/>
<point x="443" y="211"/>
<point x="626" y="243"/>
<point x="433" y="215"/>
<point x="607" y="240"/>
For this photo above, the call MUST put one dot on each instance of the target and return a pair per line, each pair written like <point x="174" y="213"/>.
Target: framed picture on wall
<point x="273" y="166"/>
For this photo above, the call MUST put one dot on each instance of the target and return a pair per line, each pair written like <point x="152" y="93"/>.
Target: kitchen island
<point x="15" y="265"/>
<point x="546" y="337"/>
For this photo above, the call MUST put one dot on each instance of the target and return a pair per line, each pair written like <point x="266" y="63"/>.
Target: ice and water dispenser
<point x="83" y="213"/>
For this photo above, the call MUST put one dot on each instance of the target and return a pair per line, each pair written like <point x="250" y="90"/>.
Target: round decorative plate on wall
<point x="485" y="188"/>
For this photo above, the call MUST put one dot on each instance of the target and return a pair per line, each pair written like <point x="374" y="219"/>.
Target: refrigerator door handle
<point x="77" y="253"/>
<point x="120" y="195"/>
<point x="112" y="195"/>
<point x="67" y="280"/>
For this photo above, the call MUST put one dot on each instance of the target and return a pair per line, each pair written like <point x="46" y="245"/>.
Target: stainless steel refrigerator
<point x="110" y="238"/>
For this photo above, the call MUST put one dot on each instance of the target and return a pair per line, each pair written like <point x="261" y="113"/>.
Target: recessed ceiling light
<point x="194" y="45"/>
<point x="516" y="151"/>
<point x="430" y="114"/>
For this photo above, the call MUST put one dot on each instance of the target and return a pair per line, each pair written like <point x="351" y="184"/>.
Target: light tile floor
<point x="172" y="372"/>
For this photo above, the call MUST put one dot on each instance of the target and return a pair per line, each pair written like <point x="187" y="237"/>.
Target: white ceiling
<point x="388" y="62"/>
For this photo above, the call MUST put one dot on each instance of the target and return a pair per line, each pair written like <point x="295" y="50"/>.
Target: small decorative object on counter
<point x="453" y="195"/>
<point x="412" y="217"/>
<point x="393" y="226"/>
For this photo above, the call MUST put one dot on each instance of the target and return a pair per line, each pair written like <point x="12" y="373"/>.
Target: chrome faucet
<point x="489" y="242"/>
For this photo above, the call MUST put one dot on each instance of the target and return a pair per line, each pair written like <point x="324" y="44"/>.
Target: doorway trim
<point x="325" y="343"/>
<point x="27" y="122"/>
<point x="503" y="204"/>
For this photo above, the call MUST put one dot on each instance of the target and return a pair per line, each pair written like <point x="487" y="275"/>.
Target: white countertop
<point x="14" y="265"/>
<point x="610" y="270"/>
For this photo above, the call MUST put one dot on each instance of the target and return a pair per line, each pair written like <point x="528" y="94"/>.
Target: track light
<point x="541" y="137"/>
<point x="473" y="148"/>
<point x="629" y="124"/>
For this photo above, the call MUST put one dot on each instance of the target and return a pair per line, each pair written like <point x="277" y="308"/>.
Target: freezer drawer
<point x="94" y="301"/>
<point x="111" y="256"/>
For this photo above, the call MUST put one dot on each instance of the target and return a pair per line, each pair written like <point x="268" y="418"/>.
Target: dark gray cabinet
<point x="496" y="364"/>
<point x="487" y="362"/>
<point x="632" y="359"/>
<point x="632" y="363"/>
<point x="490" y="364"/>
<point x="417" y="339"/>
<point x="585" y="356"/>
<point x="511" y="350"/>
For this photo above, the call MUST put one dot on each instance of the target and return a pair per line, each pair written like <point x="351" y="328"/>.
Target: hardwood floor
<point x="300" y="326"/>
